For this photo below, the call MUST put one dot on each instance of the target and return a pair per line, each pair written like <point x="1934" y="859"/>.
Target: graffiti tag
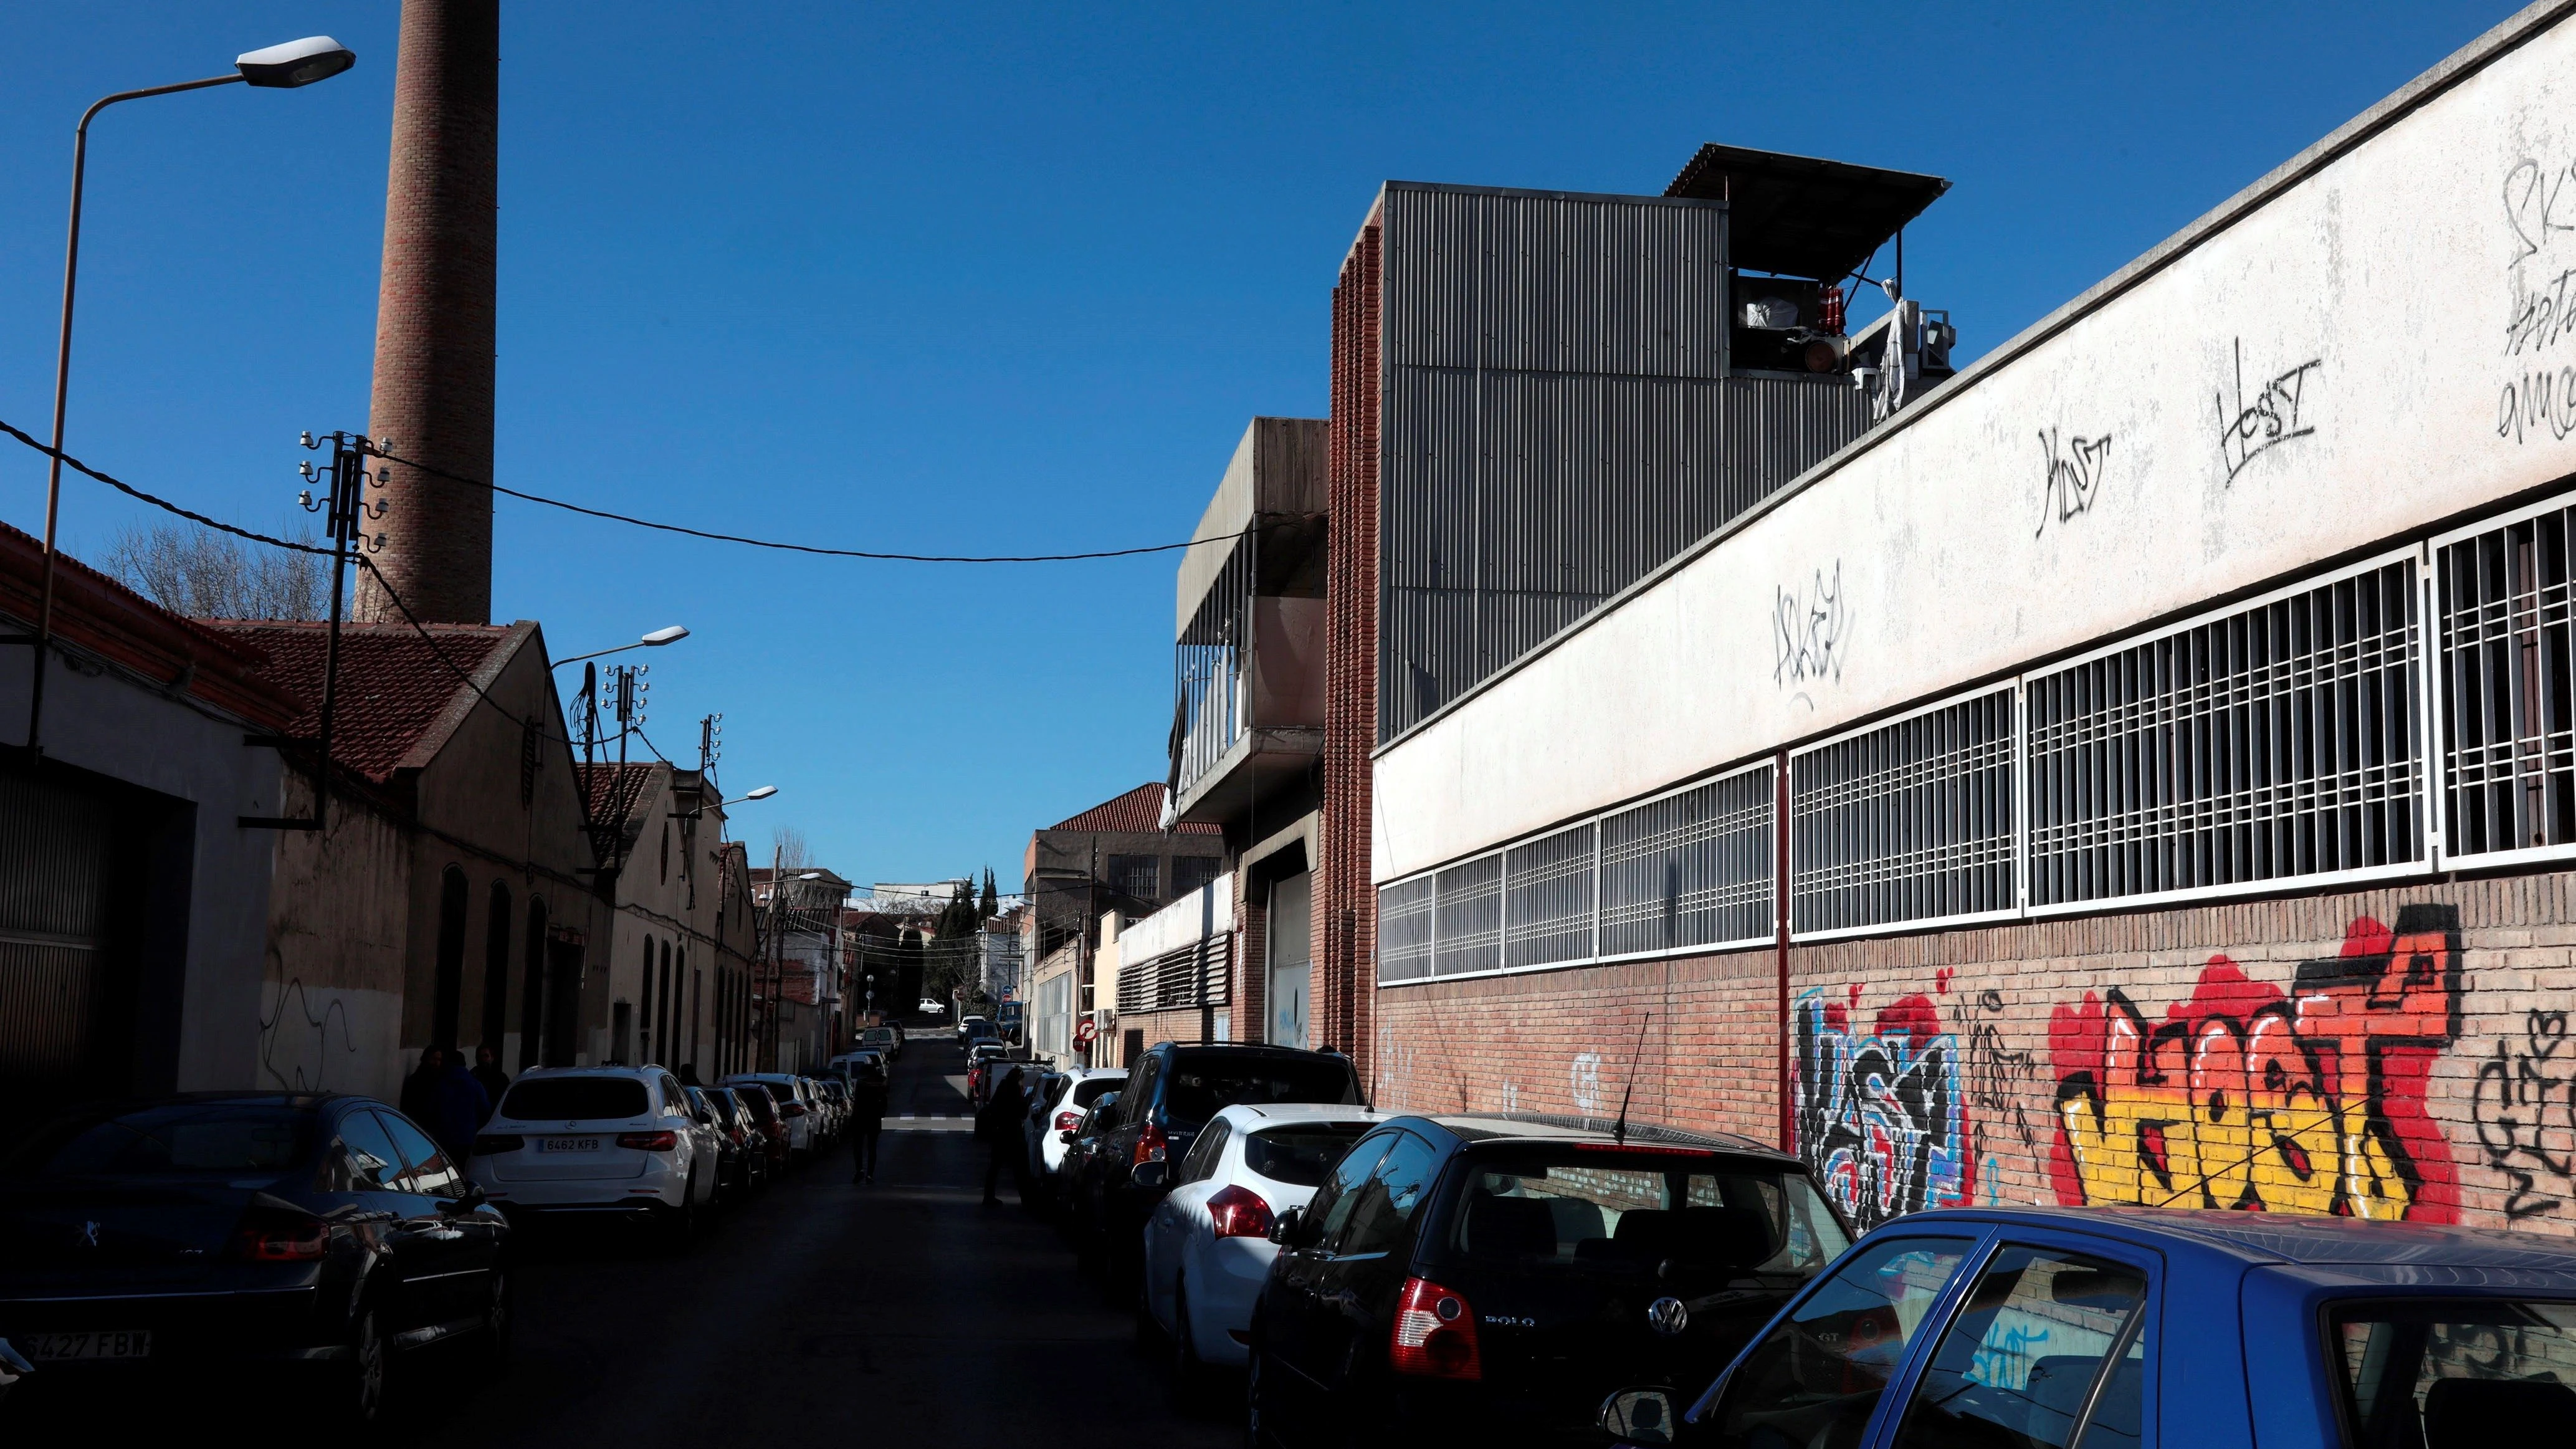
<point x="1878" y="1117"/>
<point x="2526" y="1114"/>
<point x="2245" y="1098"/>
<point x="1583" y="1078"/>
<point x="2248" y="430"/>
<point x="2074" y="476"/>
<point x="1809" y="633"/>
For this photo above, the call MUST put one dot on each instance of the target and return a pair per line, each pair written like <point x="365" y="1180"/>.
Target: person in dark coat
<point x="487" y="1071"/>
<point x="420" y="1089"/>
<point x="999" y="1125"/>
<point x="867" y="1117"/>
<point x="459" y="1109"/>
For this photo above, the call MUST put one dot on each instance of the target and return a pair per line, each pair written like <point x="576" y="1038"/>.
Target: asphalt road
<point x="903" y="1313"/>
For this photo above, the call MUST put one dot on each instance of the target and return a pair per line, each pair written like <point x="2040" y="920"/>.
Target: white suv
<point x="618" y="1140"/>
<point x="1076" y="1088"/>
<point x="1207" y="1245"/>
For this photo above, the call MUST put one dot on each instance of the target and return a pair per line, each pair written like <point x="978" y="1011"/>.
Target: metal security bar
<point x="1548" y="899"/>
<point x="1467" y="917"/>
<point x="1692" y="869"/>
<point x="2272" y="743"/>
<point x="1207" y="666"/>
<point x="1909" y="822"/>
<point x="1404" y="931"/>
<point x="1187" y="976"/>
<point x="2507" y="722"/>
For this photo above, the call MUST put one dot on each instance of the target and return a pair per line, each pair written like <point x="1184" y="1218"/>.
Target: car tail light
<point x="1239" y="1212"/>
<point x="791" y="1109"/>
<point x="1151" y="1146"/>
<point x="268" y="1236"/>
<point x="491" y="1142"/>
<point x="649" y="1141"/>
<point x="1435" y="1334"/>
<point x="1067" y="1121"/>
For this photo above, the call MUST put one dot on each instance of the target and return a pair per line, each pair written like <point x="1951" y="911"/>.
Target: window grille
<point x="1467" y="917"/>
<point x="1190" y="872"/>
<point x="1692" y="869"/>
<point x="1207" y="668"/>
<point x="1547" y="899"/>
<point x="2272" y="743"/>
<point x="2508" y="728"/>
<point x="1136" y="876"/>
<point x="1404" y="930"/>
<point x="1188" y="976"/>
<point x="1911" y="821"/>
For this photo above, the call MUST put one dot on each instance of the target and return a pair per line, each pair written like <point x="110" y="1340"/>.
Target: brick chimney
<point x="434" y="314"/>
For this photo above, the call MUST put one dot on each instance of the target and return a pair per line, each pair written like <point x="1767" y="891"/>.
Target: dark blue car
<point x="2105" y="1329"/>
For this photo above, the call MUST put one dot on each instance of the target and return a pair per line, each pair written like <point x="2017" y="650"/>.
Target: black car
<point x="739" y="1157"/>
<point x="310" y="1234"/>
<point x="1471" y="1280"/>
<point x="1074" y="1179"/>
<point x="1171" y="1092"/>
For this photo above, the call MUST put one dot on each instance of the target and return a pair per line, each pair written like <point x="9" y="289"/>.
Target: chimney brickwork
<point x="434" y="315"/>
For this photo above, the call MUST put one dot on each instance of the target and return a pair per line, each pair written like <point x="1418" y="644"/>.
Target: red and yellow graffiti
<point x="2245" y="1098"/>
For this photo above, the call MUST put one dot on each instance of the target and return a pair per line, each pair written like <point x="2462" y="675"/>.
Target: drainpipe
<point x="1780" y="933"/>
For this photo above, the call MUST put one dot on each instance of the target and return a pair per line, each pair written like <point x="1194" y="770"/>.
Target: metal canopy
<point x="1803" y="215"/>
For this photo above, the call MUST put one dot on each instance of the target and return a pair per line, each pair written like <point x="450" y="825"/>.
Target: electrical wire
<point x="944" y="558"/>
<point x="128" y="489"/>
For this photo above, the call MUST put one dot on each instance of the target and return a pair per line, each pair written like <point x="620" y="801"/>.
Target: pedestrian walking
<point x="487" y="1072"/>
<point x="867" y="1115"/>
<point x="999" y="1127"/>
<point x="458" y="1109"/>
<point x="420" y="1089"/>
<point x="689" y="1075"/>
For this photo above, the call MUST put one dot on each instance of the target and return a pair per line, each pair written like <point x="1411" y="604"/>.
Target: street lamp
<point x="654" y="640"/>
<point x="278" y="67"/>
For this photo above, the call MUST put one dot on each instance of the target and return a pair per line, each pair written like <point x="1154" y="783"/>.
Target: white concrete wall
<point x="1194" y="917"/>
<point x="2402" y="281"/>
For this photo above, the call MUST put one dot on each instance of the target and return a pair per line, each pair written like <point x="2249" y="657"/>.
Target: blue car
<point x="2033" y="1328"/>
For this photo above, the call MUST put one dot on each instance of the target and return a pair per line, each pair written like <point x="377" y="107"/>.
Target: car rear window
<point x="1301" y="1156"/>
<point x="1640" y="1208"/>
<point x="1092" y="1089"/>
<point x="1199" y="1087"/>
<point x="171" y="1139"/>
<point x="575" y="1098"/>
<point x="2434" y="1372"/>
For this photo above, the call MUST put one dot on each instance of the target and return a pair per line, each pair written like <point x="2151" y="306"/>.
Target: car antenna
<point x="1619" y="1133"/>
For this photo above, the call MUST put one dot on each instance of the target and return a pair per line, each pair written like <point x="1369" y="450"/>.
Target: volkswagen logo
<point x="1667" y="1316"/>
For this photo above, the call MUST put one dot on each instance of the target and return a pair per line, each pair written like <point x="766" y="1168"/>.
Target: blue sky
<point x="972" y="278"/>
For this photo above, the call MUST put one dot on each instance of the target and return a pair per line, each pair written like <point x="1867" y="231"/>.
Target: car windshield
<point x="2432" y="1373"/>
<point x="574" y="1098"/>
<point x="168" y="1139"/>
<point x="1202" y="1086"/>
<point x="1640" y="1208"/>
<point x="1301" y="1156"/>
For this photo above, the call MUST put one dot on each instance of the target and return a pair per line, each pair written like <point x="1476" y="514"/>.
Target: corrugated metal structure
<point x="1560" y="419"/>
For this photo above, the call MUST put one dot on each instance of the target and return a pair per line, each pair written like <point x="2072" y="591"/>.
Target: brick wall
<point x="2400" y="1052"/>
<point x="1345" y="924"/>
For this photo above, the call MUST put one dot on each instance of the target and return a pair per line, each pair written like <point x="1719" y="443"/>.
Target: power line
<point x="1020" y="558"/>
<point x="128" y="489"/>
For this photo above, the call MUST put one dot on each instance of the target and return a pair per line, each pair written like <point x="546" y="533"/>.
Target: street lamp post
<point x="278" y="67"/>
<point x="654" y="640"/>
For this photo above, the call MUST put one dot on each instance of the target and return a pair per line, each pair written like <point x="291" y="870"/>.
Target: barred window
<point x="1136" y="876"/>
<point x="1404" y="930"/>
<point x="2508" y="726"/>
<point x="1692" y="869"/>
<point x="1190" y="872"/>
<point x="1910" y="821"/>
<point x="1467" y="917"/>
<point x="2272" y="743"/>
<point x="1547" y="899"/>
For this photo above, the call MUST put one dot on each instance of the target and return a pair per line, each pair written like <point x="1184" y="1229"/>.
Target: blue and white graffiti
<point x="1879" y="1117"/>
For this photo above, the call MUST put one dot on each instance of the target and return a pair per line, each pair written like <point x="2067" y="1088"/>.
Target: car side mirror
<point x="1068" y="1137"/>
<point x="1638" y="1416"/>
<point x="466" y="1202"/>
<point x="1150" y="1175"/>
<point x="1285" y="1229"/>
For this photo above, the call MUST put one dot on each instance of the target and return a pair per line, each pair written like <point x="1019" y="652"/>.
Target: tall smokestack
<point x="434" y="314"/>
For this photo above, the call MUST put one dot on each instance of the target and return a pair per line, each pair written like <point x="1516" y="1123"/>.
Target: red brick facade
<point x="1345" y="901"/>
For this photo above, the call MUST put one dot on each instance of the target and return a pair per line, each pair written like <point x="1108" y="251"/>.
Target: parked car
<point x="769" y="1124"/>
<point x="1207" y="1244"/>
<point x="735" y="1153"/>
<point x="836" y="1097"/>
<point x="986" y="1064"/>
<point x="848" y="1063"/>
<point x="928" y="1007"/>
<point x="311" y="1238"/>
<point x="1073" y="1180"/>
<point x="792" y="1109"/>
<point x="886" y="1039"/>
<point x="1058" y="1107"/>
<point x="972" y="1028"/>
<point x="1171" y="1091"/>
<point x="616" y="1141"/>
<point x="1479" y="1279"/>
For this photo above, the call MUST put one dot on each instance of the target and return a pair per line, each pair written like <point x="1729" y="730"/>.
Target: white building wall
<point x="2364" y="343"/>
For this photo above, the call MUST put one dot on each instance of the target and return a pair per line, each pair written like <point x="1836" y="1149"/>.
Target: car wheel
<point x="1255" y="1430"/>
<point x="1189" y="1376"/>
<point x="361" y="1397"/>
<point x="680" y="1224"/>
<point x="500" y="1317"/>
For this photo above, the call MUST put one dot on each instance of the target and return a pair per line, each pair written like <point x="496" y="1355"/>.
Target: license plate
<point x="568" y="1144"/>
<point x="100" y="1344"/>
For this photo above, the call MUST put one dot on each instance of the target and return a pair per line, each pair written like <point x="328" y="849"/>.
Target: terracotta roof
<point x="114" y="622"/>
<point x="611" y="789"/>
<point x="395" y="694"/>
<point x="1138" y="809"/>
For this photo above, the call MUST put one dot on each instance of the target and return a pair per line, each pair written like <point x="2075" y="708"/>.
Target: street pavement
<point x="904" y="1313"/>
